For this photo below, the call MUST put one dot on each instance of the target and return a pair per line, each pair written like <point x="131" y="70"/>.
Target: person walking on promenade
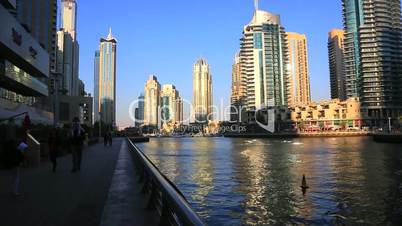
<point x="105" y="138"/>
<point x="21" y="149"/>
<point x="53" y="148"/>
<point x="110" y="138"/>
<point x="77" y="142"/>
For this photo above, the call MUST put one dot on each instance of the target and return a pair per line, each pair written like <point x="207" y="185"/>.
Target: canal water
<point x="352" y="181"/>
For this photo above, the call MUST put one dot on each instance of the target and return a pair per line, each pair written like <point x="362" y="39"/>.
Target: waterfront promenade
<point x="105" y="192"/>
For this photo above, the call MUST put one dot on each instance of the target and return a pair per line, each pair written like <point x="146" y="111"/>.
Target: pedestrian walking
<point x="77" y="142"/>
<point x="53" y="148"/>
<point x="105" y="139"/>
<point x="110" y="138"/>
<point x="21" y="151"/>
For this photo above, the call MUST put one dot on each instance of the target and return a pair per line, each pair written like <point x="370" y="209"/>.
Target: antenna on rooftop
<point x="256" y="4"/>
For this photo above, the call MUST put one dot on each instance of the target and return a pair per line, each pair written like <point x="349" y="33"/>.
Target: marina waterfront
<point x="249" y="181"/>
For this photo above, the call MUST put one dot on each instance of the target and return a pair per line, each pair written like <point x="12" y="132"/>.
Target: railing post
<point x="152" y="197"/>
<point x="165" y="215"/>
<point x="163" y="197"/>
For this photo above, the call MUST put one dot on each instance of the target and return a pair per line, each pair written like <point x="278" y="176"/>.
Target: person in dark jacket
<point x="110" y="138"/>
<point x="53" y="148"/>
<point x="105" y="139"/>
<point x="77" y="142"/>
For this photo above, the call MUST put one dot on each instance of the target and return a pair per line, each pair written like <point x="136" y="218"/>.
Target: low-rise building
<point x="329" y="113"/>
<point x="75" y="106"/>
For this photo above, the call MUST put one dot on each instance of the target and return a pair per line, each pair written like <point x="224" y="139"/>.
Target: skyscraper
<point x="336" y="64"/>
<point x="299" y="79"/>
<point x="67" y="56"/>
<point x="96" y="86"/>
<point x="353" y="17"/>
<point x="202" y="92"/>
<point x="152" y="100"/>
<point x="237" y="98"/>
<point x="264" y="61"/>
<point x="140" y="111"/>
<point x="171" y="105"/>
<point x="107" y="80"/>
<point x="374" y="27"/>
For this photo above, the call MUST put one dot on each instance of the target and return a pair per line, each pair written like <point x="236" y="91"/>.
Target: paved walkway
<point x="65" y="198"/>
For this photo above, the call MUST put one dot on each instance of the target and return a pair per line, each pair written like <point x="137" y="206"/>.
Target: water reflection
<point x="257" y="181"/>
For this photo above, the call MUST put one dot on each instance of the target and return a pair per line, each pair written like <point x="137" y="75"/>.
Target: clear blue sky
<point x="166" y="37"/>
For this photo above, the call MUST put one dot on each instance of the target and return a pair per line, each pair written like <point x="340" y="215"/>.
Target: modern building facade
<point x="24" y="67"/>
<point x="329" y="114"/>
<point x="264" y="61"/>
<point x="299" y="78"/>
<point x="67" y="56"/>
<point x="106" y="89"/>
<point x="336" y="39"/>
<point x="171" y="105"/>
<point x="152" y="102"/>
<point x="202" y="92"/>
<point x="76" y="106"/>
<point x="239" y="92"/>
<point x="40" y="19"/>
<point x="353" y="17"/>
<point x="373" y="43"/>
<point x="69" y="17"/>
<point x="139" y="111"/>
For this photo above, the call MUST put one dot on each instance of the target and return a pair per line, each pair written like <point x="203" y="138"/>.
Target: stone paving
<point x="105" y="191"/>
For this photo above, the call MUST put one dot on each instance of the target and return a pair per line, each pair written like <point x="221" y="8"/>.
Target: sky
<point x="166" y="37"/>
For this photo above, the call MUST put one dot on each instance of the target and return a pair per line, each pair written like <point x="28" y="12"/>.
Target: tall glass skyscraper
<point x="264" y="61"/>
<point x="373" y="46"/>
<point x="107" y="80"/>
<point x="353" y="16"/>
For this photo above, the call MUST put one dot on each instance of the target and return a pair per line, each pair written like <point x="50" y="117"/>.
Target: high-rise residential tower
<point x="238" y="96"/>
<point x="264" y="61"/>
<point x="299" y="79"/>
<point x="107" y="80"/>
<point x="336" y="64"/>
<point x="67" y="56"/>
<point x="152" y="102"/>
<point x="171" y="105"/>
<point x="202" y="92"/>
<point x="374" y="29"/>
<point x="353" y="17"/>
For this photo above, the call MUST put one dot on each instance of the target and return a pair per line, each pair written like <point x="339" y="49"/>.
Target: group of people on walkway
<point x="108" y="139"/>
<point x="76" y="139"/>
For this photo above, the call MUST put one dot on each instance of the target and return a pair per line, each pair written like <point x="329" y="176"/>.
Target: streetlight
<point x="389" y="125"/>
<point x="99" y="123"/>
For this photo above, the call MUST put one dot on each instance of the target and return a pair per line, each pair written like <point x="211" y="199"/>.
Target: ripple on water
<point x="257" y="181"/>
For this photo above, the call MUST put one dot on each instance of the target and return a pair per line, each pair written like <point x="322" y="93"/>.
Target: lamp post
<point x="100" y="124"/>
<point x="389" y="125"/>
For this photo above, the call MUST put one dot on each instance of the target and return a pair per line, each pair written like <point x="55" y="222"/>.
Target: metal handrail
<point x="172" y="206"/>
